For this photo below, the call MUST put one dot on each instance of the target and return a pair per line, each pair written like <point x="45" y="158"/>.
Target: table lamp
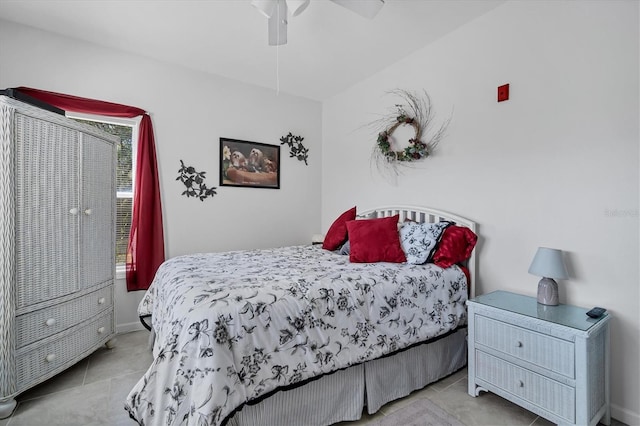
<point x="548" y="264"/>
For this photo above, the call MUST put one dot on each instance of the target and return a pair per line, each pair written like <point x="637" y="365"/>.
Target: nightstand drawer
<point x="544" y="351"/>
<point x="552" y="396"/>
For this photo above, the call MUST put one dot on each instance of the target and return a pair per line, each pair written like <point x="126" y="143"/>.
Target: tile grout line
<point x="447" y="387"/>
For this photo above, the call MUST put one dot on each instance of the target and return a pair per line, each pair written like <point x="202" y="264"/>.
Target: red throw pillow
<point x="337" y="233"/>
<point x="375" y="240"/>
<point x="455" y="246"/>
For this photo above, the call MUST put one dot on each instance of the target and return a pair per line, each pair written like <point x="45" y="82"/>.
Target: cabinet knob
<point x="50" y="357"/>
<point x="50" y="322"/>
<point x="520" y="384"/>
<point x="518" y="344"/>
<point x="101" y="301"/>
<point x="101" y="330"/>
<point x="87" y="212"/>
<point x="73" y="211"/>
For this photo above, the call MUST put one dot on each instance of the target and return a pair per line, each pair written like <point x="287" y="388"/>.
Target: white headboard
<point x="428" y="215"/>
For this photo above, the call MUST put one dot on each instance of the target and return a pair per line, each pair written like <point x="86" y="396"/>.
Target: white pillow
<point x="419" y="240"/>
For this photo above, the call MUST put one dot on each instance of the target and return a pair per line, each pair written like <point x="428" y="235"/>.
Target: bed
<point x="300" y="335"/>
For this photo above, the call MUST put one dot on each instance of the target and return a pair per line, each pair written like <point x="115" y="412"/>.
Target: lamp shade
<point x="549" y="263"/>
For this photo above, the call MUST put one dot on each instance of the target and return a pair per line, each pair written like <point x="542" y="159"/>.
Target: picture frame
<point x="249" y="164"/>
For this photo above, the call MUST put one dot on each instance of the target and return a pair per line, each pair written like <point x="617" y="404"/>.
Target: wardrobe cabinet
<point x="57" y="245"/>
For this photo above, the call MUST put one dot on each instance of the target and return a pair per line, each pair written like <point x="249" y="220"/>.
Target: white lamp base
<point x="548" y="292"/>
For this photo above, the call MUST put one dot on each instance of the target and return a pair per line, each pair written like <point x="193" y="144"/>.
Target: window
<point x="127" y="130"/>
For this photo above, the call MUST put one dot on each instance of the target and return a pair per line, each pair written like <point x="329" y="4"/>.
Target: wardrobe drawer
<point x="552" y="396"/>
<point x="70" y="348"/>
<point x="547" y="352"/>
<point x="43" y="323"/>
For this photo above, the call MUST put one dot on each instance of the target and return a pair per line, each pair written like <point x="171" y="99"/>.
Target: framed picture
<point x="249" y="164"/>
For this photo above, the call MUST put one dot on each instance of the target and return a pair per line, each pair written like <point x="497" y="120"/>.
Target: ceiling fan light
<point x="296" y="7"/>
<point x="266" y="7"/>
<point x="278" y="24"/>
<point x="365" y="8"/>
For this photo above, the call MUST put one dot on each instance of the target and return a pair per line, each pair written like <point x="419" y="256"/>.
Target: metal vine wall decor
<point x="194" y="181"/>
<point x="415" y="111"/>
<point x="296" y="149"/>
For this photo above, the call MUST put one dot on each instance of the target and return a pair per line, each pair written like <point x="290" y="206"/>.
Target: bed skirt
<point x="342" y="396"/>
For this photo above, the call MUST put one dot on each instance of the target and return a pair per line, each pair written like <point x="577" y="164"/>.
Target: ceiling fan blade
<point x="296" y="7"/>
<point x="364" y="8"/>
<point x="278" y="25"/>
<point x="266" y="7"/>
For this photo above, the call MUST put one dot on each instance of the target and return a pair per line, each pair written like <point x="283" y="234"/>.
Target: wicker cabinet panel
<point x="47" y="226"/>
<point x="545" y="351"/>
<point x="58" y="354"/>
<point x="46" y="322"/>
<point x="98" y="206"/>
<point x="548" y="394"/>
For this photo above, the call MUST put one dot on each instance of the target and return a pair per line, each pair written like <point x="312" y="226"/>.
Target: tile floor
<point x="92" y="393"/>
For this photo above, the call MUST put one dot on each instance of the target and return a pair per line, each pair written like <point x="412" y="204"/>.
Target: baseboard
<point x="129" y="327"/>
<point x="624" y="415"/>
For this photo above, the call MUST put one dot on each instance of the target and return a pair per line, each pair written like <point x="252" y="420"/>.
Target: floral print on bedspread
<point x="233" y="326"/>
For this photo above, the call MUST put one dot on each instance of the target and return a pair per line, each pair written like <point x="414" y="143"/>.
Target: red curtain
<point x="146" y="240"/>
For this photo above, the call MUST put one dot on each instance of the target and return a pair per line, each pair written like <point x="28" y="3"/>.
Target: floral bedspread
<point x="233" y="326"/>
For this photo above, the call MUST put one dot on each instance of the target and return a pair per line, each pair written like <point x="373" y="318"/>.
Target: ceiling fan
<point x="276" y="11"/>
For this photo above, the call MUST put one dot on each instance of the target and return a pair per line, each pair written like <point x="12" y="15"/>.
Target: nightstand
<point x="551" y="360"/>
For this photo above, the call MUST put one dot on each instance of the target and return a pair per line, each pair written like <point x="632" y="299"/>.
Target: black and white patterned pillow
<point x="419" y="240"/>
<point x="345" y="249"/>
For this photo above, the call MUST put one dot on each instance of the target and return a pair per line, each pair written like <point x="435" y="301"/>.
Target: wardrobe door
<point x="47" y="210"/>
<point x="98" y="211"/>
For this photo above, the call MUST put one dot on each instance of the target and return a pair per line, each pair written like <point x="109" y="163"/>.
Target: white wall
<point x="556" y="165"/>
<point x="190" y="112"/>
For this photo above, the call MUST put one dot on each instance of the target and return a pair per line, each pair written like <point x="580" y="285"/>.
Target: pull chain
<point x="278" y="51"/>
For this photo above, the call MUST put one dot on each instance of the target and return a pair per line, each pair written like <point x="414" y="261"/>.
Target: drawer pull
<point x="520" y="384"/>
<point x="50" y="322"/>
<point x="101" y="330"/>
<point x="101" y="301"/>
<point x="50" y="357"/>
<point x="518" y="344"/>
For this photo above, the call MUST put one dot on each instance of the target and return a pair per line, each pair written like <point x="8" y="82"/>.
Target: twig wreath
<point x="416" y="112"/>
<point x="296" y="149"/>
<point x="194" y="181"/>
<point x="416" y="149"/>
